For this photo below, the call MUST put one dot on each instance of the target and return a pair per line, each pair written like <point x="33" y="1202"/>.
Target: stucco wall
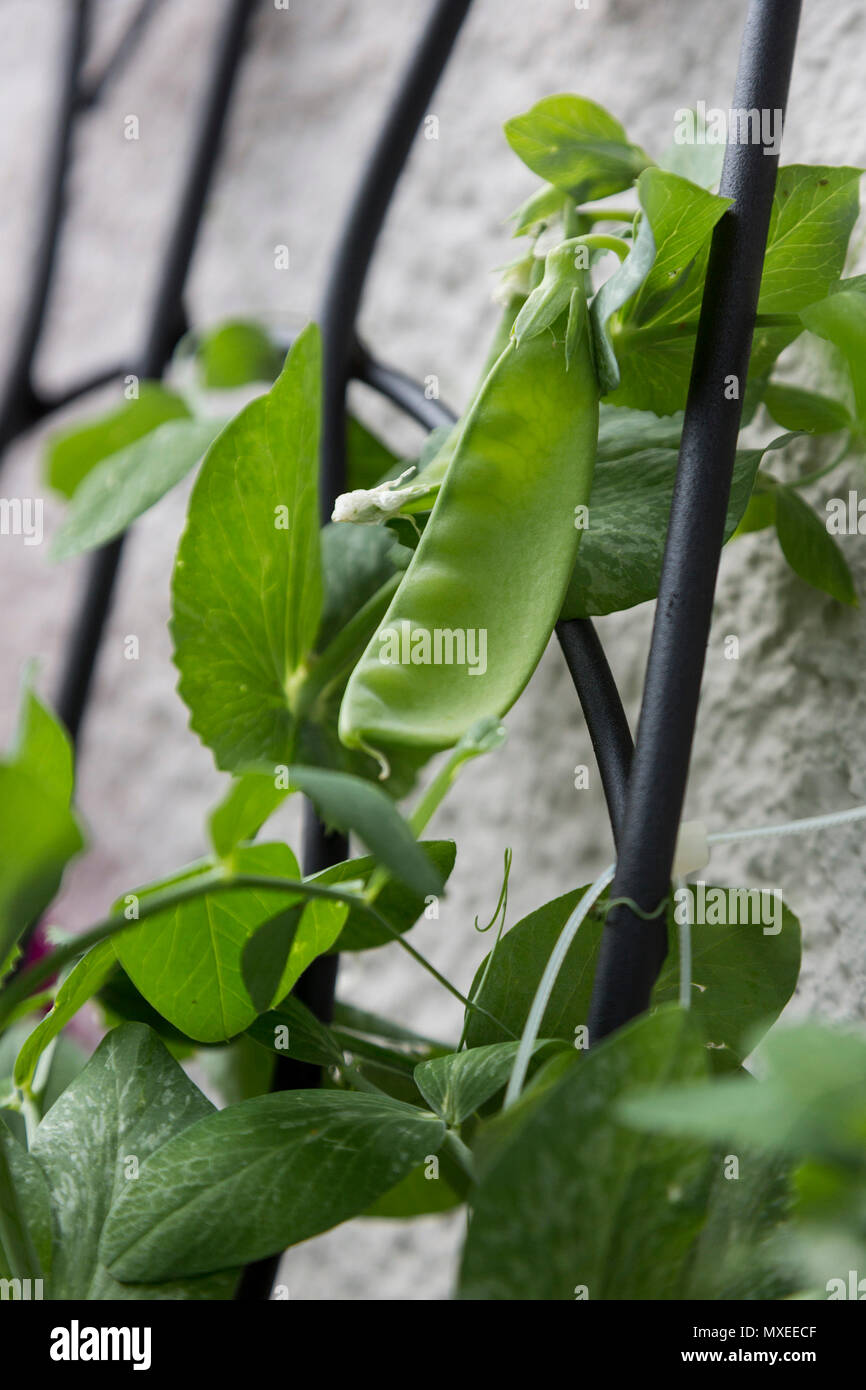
<point x="779" y="728"/>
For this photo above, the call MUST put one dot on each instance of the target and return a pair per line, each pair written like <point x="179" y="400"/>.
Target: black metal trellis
<point x="645" y="785"/>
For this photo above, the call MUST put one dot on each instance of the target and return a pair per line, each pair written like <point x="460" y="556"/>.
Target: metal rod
<point x="21" y="406"/>
<point x="167" y="325"/>
<point x="361" y="231"/>
<point x="602" y="710"/>
<point x="402" y="391"/>
<point x="342" y="356"/>
<point x="632" y="950"/>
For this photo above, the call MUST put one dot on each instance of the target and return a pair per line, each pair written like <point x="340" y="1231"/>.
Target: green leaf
<point x="516" y="969"/>
<point x="575" y="144"/>
<point x="247" y="583"/>
<point x="459" y="1084"/>
<point x="292" y="1030"/>
<point x="733" y="1258"/>
<point x="656" y="295"/>
<point x="741" y="978"/>
<point x="239" y="1071"/>
<point x="350" y="804"/>
<point x="697" y="159"/>
<point x="129" y="1100"/>
<point x="368" y="460"/>
<point x="841" y="318"/>
<point x="812" y="1103"/>
<point x="356" y="561"/>
<point x="761" y="511"/>
<point x="84" y="980"/>
<point x="260" y="1176"/>
<point x="72" y="454"/>
<point x="399" y="905"/>
<point x="814" y="211"/>
<point x="619" y="559"/>
<point x="249" y="802"/>
<point x="125" y="484"/>
<point x="806" y="411"/>
<point x="420" y="1193"/>
<point x="236" y="353"/>
<point x="38" y="831"/>
<point x="810" y="550"/>
<point x="653" y="336"/>
<point x="25" y="1213"/>
<point x="572" y="1201"/>
<point x="186" y="960"/>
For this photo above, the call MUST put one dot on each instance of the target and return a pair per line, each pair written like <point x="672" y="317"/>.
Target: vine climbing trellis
<point x="644" y="782"/>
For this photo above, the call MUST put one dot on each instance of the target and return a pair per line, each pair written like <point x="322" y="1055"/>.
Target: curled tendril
<point x="636" y="908"/>
<point x="502" y="904"/>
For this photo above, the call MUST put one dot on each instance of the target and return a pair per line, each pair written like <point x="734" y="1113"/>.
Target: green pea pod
<point x="478" y="602"/>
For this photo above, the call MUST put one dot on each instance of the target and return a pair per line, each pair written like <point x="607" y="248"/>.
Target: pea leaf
<point x="614" y="1214"/>
<point x="399" y="905"/>
<point x="575" y="144"/>
<point x="236" y="353"/>
<point x="811" y="1103"/>
<point x="691" y="154"/>
<point x="813" y="216"/>
<point x="809" y="548"/>
<point x="247" y="583"/>
<point x="653" y="339"/>
<point x="74" y="452"/>
<point x="128" y="1101"/>
<point x="645" y="315"/>
<point x="38" y="830"/>
<point x="125" y="484"/>
<point x="457" y="1085"/>
<point x="814" y="211"/>
<point x="620" y="556"/>
<point x="517" y="966"/>
<point x="291" y="1030"/>
<point x="796" y="409"/>
<point x="186" y="960"/>
<point x="367" y="458"/>
<point x="249" y="802"/>
<point x="841" y="318"/>
<point x="84" y="980"/>
<point x="25" y="1213"/>
<point x="283" y="1167"/>
<point x="423" y="1192"/>
<point x="742" y="978"/>
<point x="350" y="804"/>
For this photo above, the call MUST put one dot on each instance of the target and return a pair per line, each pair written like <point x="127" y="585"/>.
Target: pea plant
<point x="336" y="663"/>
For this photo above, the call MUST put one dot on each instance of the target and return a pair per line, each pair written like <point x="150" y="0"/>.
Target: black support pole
<point x="21" y="407"/>
<point x="632" y="950"/>
<point x="167" y="324"/>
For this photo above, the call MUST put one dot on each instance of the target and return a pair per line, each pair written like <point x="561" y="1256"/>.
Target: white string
<point x="594" y="892"/>
<point x="547" y="982"/>
<point x="685" y="940"/>
<point x="793" y="827"/>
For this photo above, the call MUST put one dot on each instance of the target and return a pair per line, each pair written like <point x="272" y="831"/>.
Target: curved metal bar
<point x="402" y="391"/>
<point x="342" y="357"/>
<point x="21" y="406"/>
<point x="93" y="89"/>
<point x="167" y="325"/>
<point x="632" y="950"/>
<point x="361" y="231"/>
<point x="602" y="710"/>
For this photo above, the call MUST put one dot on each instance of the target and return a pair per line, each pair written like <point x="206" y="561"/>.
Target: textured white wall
<point x="779" y="731"/>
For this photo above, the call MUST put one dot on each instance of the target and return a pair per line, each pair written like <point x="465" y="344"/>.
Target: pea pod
<point x="478" y="602"/>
